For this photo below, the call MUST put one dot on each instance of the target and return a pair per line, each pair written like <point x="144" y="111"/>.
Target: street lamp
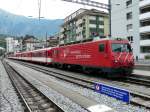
<point x="109" y="10"/>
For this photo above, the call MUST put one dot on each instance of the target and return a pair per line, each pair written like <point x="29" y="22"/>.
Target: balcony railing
<point x="145" y="16"/>
<point x="144" y="3"/>
<point x="145" y="29"/>
<point x="145" y="43"/>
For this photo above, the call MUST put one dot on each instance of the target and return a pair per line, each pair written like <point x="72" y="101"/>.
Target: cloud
<point x="52" y="9"/>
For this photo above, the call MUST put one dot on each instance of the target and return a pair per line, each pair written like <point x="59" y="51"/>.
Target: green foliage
<point x="3" y="36"/>
<point x="2" y="42"/>
<point x="147" y="57"/>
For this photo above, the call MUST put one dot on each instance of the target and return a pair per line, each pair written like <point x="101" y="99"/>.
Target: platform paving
<point x="9" y="101"/>
<point x="142" y="65"/>
<point x="143" y="62"/>
<point x="141" y="72"/>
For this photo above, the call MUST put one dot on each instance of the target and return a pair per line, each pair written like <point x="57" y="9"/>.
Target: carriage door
<point x="102" y="53"/>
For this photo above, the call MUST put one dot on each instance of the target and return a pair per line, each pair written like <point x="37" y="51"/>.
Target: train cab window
<point x="119" y="47"/>
<point x="101" y="48"/>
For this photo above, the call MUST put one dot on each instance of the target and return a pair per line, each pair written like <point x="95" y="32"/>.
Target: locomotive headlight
<point x="116" y="61"/>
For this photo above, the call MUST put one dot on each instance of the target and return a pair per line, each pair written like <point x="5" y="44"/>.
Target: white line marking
<point x="99" y="108"/>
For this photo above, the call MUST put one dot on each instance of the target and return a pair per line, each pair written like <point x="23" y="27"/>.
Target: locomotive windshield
<point x="120" y="47"/>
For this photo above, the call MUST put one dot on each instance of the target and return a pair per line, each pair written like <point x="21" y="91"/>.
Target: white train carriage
<point x="42" y="55"/>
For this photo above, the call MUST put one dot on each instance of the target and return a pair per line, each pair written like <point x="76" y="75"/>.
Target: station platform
<point x="141" y="72"/>
<point x="143" y="62"/>
<point x="142" y="66"/>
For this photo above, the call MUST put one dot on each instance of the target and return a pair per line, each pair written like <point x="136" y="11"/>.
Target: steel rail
<point x="29" y="107"/>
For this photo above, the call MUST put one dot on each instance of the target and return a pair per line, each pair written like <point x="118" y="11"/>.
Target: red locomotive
<point x="113" y="57"/>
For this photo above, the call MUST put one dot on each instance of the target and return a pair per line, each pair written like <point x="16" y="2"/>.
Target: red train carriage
<point x="108" y="56"/>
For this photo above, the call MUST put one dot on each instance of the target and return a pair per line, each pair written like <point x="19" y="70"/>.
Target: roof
<point x="81" y="12"/>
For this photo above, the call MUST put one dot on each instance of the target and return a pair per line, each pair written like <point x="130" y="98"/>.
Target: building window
<point x="145" y="23"/>
<point x="145" y="49"/>
<point x="101" y="31"/>
<point x="145" y="36"/>
<point x="101" y="22"/>
<point x="128" y="3"/>
<point x="101" y="18"/>
<point x="129" y="15"/>
<point x="92" y="21"/>
<point x="145" y="9"/>
<point x="96" y="22"/>
<point x="129" y="27"/>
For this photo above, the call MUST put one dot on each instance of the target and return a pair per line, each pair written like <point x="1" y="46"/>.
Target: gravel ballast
<point x="69" y="106"/>
<point x="117" y="105"/>
<point x="9" y="101"/>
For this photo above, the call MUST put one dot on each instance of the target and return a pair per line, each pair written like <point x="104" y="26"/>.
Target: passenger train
<point x="111" y="57"/>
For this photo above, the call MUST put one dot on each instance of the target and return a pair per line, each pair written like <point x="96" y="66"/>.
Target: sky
<point x="50" y="9"/>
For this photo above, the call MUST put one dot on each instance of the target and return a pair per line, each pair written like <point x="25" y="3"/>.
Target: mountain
<point x="20" y="25"/>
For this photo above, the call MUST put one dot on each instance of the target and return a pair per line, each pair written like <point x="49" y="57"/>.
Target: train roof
<point x="97" y="40"/>
<point x="42" y="49"/>
<point x="35" y="50"/>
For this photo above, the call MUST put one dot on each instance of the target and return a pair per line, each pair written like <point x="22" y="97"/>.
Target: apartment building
<point x="84" y="24"/>
<point x="131" y="20"/>
<point x="12" y="45"/>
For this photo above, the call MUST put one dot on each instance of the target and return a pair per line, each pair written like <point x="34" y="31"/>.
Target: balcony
<point x="145" y="43"/>
<point x="145" y="16"/>
<point x="79" y="21"/>
<point x="145" y="29"/>
<point x="92" y="25"/>
<point x="144" y="3"/>
<point x="79" y="29"/>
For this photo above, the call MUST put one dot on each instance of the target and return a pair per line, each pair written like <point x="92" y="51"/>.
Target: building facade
<point x="31" y="43"/>
<point x="84" y="24"/>
<point x="12" y="45"/>
<point x="131" y="20"/>
<point x="53" y="40"/>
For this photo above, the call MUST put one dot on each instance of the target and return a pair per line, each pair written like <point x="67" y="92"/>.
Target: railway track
<point x="32" y="99"/>
<point x="136" y="98"/>
<point x="141" y="80"/>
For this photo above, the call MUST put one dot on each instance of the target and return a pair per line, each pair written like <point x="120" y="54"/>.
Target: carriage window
<point x="49" y="54"/>
<point x="101" y="48"/>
